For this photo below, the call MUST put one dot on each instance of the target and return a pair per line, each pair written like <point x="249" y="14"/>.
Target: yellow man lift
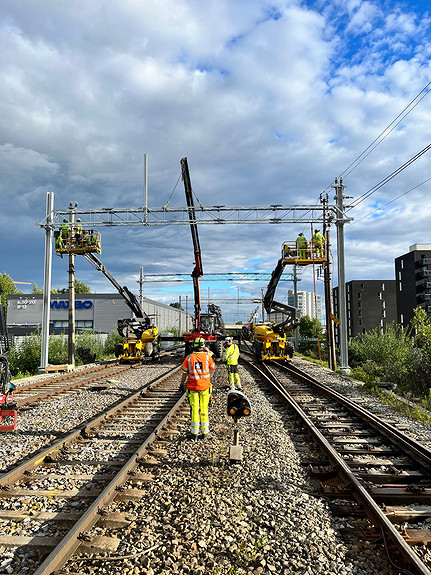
<point x="303" y="256"/>
<point x="75" y="240"/>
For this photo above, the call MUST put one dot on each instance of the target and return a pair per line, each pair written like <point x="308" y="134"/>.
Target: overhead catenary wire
<point x="390" y="177"/>
<point x="390" y="202"/>
<point x="389" y="128"/>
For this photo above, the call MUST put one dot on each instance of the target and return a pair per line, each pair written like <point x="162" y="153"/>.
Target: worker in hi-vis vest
<point x="196" y="370"/>
<point x="319" y="244"/>
<point x="231" y="357"/>
<point x="301" y="246"/>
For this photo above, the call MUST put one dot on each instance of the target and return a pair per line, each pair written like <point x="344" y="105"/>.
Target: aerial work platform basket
<point x="87" y="241"/>
<point x="303" y="256"/>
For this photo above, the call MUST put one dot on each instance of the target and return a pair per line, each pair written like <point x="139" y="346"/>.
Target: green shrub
<point x="90" y="340"/>
<point x="111" y="341"/>
<point x="26" y="357"/>
<point x="383" y="354"/>
<point x="58" y="353"/>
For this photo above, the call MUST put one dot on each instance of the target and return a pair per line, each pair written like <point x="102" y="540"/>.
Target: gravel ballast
<point x="202" y="514"/>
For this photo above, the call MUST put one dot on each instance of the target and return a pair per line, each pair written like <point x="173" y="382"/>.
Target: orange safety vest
<point x="198" y="366"/>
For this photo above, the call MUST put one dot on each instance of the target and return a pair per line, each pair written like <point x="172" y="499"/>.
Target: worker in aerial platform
<point x="196" y="370"/>
<point x="65" y="230"/>
<point x="231" y="357"/>
<point x="301" y="246"/>
<point x="319" y="244"/>
<point x="78" y="232"/>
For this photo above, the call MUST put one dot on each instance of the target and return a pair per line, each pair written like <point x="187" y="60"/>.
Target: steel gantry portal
<point x="324" y="214"/>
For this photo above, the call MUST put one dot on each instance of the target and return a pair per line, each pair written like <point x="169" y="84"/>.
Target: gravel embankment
<point x="351" y="388"/>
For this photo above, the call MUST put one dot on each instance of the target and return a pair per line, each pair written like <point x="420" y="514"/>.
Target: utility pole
<point x="47" y="282"/>
<point x="145" y="188"/>
<point x="295" y="301"/>
<point x="179" y="317"/>
<point x="330" y="339"/>
<point x="71" y="323"/>
<point x="141" y="284"/>
<point x="339" y="222"/>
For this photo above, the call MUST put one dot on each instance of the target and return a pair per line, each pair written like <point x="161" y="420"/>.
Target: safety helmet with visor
<point x="199" y="342"/>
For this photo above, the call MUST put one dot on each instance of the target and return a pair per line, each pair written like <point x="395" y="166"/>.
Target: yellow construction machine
<point x="270" y="338"/>
<point x="141" y="336"/>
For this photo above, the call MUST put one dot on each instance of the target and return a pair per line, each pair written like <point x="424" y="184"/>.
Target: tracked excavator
<point x="269" y="338"/>
<point x="141" y="336"/>
<point x="209" y="326"/>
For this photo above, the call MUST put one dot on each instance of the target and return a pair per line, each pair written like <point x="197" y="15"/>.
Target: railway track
<point x="62" y="492"/>
<point x="32" y="393"/>
<point x="37" y="391"/>
<point x="365" y="465"/>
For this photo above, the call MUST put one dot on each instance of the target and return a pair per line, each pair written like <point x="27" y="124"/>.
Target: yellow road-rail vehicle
<point x="270" y="338"/>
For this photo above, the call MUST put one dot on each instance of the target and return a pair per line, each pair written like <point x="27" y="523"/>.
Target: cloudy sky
<point x="270" y="102"/>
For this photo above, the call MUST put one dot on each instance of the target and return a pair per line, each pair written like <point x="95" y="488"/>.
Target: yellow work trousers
<point x="233" y="375"/>
<point x="199" y="401"/>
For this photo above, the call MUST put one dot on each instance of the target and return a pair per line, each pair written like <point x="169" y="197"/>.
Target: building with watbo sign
<point x="96" y="312"/>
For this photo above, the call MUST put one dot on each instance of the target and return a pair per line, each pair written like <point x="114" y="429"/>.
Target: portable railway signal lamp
<point x="8" y="409"/>
<point x="238" y="405"/>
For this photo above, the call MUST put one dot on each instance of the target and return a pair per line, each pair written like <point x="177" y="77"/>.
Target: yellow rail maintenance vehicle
<point x="141" y="336"/>
<point x="270" y="338"/>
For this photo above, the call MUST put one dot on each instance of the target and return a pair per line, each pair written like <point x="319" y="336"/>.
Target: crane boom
<point x="291" y="313"/>
<point x="129" y="297"/>
<point x="197" y="271"/>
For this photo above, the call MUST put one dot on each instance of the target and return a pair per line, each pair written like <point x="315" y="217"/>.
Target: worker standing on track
<point x="196" y="370"/>
<point x="301" y="246"/>
<point x="319" y="243"/>
<point x="231" y="357"/>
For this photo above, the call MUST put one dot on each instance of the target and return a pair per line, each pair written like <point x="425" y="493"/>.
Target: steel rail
<point x="9" y="478"/>
<point x="57" y="558"/>
<point x="407" y="444"/>
<point x="359" y="492"/>
<point x="81" y="380"/>
<point x="62" y="377"/>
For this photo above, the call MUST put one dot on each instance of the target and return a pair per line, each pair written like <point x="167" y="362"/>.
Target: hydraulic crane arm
<point x="130" y="298"/>
<point x="197" y="272"/>
<point x="214" y="309"/>
<point x="273" y="282"/>
<point x="291" y="313"/>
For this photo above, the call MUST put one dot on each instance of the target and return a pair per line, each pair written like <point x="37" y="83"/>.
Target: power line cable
<point x="390" y="177"/>
<point x="390" y="202"/>
<point x="385" y="133"/>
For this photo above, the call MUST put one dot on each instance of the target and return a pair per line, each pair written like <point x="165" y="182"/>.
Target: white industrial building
<point x="96" y="312"/>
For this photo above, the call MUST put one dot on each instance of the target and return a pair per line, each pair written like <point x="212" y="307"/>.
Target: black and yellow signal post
<point x="238" y="405"/>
